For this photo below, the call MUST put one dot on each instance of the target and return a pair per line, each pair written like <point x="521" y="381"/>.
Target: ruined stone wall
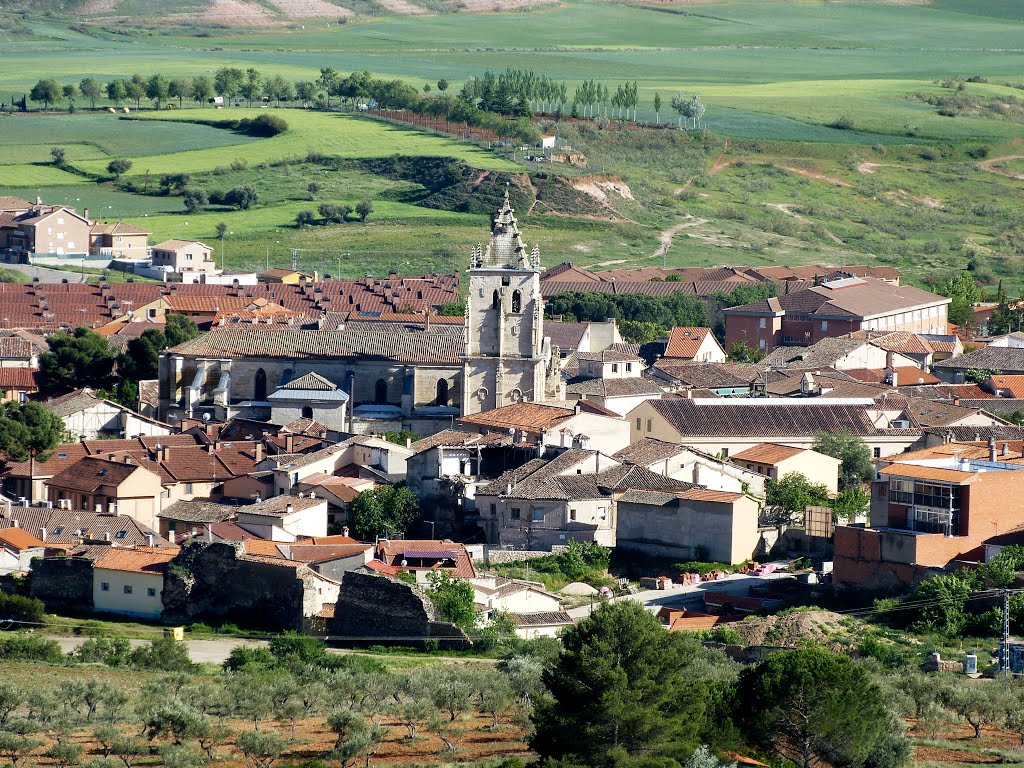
<point x="208" y="583"/>
<point x="64" y="584"/>
<point x="375" y="609"/>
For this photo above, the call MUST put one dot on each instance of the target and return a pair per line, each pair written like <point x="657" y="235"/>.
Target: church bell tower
<point x="506" y="353"/>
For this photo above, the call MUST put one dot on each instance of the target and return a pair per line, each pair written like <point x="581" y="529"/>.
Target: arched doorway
<point x="380" y="392"/>
<point x="442" y="392"/>
<point x="259" y="390"/>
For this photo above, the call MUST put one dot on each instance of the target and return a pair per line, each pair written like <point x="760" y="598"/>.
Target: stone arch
<point x="380" y="392"/>
<point x="442" y="392"/>
<point x="517" y="302"/>
<point x="495" y="299"/>
<point x="307" y="412"/>
<point x="259" y="389"/>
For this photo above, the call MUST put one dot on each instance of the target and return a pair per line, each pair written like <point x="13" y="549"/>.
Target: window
<point x="514" y="513"/>
<point x="104" y="586"/>
<point x="259" y="389"/>
<point x="629" y="367"/>
<point x="761" y="324"/>
<point x="824" y="325"/>
<point x="876" y="452"/>
<point x="127" y="589"/>
<point x="188" y="488"/>
<point x="615" y="367"/>
<point x="380" y="392"/>
<point x="638" y="422"/>
<point x="649" y="424"/>
<point x="572" y="514"/>
<point x="495" y="300"/>
<point x="307" y="412"/>
<point x="494" y="510"/>
<point x="517" y="302"/>
<point x="537" y="514"/>
<point x="506" y="281"/>
<point x="761" y="344"/>
<point x="442" y="392"/>
<point x="150" y="592"/>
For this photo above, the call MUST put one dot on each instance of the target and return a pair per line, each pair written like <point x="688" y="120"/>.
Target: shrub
<point x="24" y="647"/>
<point x="164" y="654"/>
<point x="843" y="123"/>
<point x="265" y="125"/>
<point x="119" y="166"/>
<point x="242" y="197"/>
<point x="18" y="608"/>
<point x="195" y="199"/>
<point x="112" y="651"/>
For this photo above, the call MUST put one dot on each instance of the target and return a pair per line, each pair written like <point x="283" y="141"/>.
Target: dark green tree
<point x="57" y="155"/>
<point x="242" y="197"/>
<point x="383" y="511"/>
<point x="47" y="91"/>
<point x="789" y="496"/>
<point x="453" y="599"/>
<point x="141" y="359"/>
<point x="195" y="199"/>
<point x="857" y="467"/>
<point x="622" y="688"/>
<point x="78" y="359"/>
<point x="965" y="293"/>
<point x="178" y="329"/>
<point x="90" y="89"/>
<point x="304" y="219"/>
<point x="119" y="166"/>
<point x="363" y="209"/>
<point x="29" y="432"/>
<point x="812" y="706"/>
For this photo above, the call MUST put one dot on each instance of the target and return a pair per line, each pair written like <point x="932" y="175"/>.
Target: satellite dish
<point x="206" y="417"/>
<point x="405" y="563"/>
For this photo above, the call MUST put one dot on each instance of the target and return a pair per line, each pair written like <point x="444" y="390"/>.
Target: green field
<point x="773" y="182"/>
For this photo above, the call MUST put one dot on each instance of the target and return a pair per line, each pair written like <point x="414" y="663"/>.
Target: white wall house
<point x="129" y="581"/>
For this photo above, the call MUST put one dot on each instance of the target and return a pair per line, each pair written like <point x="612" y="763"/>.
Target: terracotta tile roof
<point x="137" y="559"/>
<point x="63" y="526"/>
<point x="1008" y="386"/>
<point x="935" y="413"/>
<point x="609" y="356"/>
<point x="850" y="297"/>
<point x="709" y="375"/>
<point x="305" y="426"/>
<point x="648" y="450"/>
<point x="684" y="341"/>
<point x="19" y="378"/>
<point x="903" y="342"/>
<point x="393" y="551"/>
<point x="117" y="228"/>
<point x="228" y="531"/>
<point x="541" y="619"/>
<point x="9" y="203"/>
<point x="967" y="433"/>
<point x="905" y="375"/>
<point x="377" y="565"/>
<point x="627" y="387"/>
<point x="533" y="417"/>
<point x="768" y="453"/>
<point x="274" y="341"/>
<point x="92" y="473"/>
<point x="177" y="245"/>
<point x="262" y="547"/>
<point x="454" y="438"/>
<point x="19" y="539"/>
<point x="312" y="553"/>
<point x="565" y="335"/>
<point x="1001" y="359"/>
<point x="72" y="403"/>
<point x="278" y="506"/>
<point x="334" y="539"/>
<point x="730" y="417"/>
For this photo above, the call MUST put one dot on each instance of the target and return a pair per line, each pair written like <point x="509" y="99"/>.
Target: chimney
<point x="165" y="452"/>
<point x="289" y="443"/>
<point x="895" y="378"/>
<point x="39" y="200"/>
<point x="426" y="320"/>
<point x="209" y="533"/>
<point x="991" y="449"/>
<point x="259" y="452"/>
<point x="149" y="539"/>
<point x="408" y="442"/>
<point x="106" y="536"/>
<point x="85" y="213"/>
<point x="289" y="509"/>
<point x="127" y="459"/>
<point x="42" y="534"/>
<point x="344" y="530"/>
<point x="14" y="523"/>
<point x="1006" y="449"/>
<point x="171" y="536"/>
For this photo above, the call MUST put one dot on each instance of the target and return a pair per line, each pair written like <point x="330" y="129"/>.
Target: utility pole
<point x="1004" y="646"/>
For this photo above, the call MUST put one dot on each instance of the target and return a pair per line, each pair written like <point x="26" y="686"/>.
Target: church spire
<point x="506" y="247"/>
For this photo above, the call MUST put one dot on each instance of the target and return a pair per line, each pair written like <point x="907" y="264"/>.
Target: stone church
<point x="381" y="373"/>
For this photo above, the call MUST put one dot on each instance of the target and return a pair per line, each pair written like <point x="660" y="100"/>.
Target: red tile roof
<point x="19" y="539"/>
<point x="684" y="342"/>
<point x="768" y="453"/>
<point x="137" y="559"/>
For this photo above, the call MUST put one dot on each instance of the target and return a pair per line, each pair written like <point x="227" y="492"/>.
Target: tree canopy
<point x="453" y="599"/>
<point x="622" y="688"/>
<point x="965" y="293"/>
<point x="78" y="359"/>
<point x="857" y="466"/>
<point x="811" y="705"/>
<point x="28" y="431"/>
<point x="383" y="511"/>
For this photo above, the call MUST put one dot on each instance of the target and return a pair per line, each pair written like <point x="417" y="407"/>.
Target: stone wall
<point x="64" y="584"/>
<point x="375" y="609"/>
<point x="498" y="556"/>
<point x="209" y="583"/>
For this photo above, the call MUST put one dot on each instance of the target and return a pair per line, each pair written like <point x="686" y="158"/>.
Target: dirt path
<point x="611" y="263"/>
<point x="972" y="241"/>
<point x="666" y="236"/>
<point x="869" y="168"/>
<point x="818" y="176"/>
<point x="785" y="208"/>
<point x="989" y="165"/>
<point x="716" y="167"/>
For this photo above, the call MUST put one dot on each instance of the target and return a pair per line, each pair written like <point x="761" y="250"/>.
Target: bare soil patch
<point x="401" y="7"/>
<point x="666" y="237"/>
<point x="794" y="629"/>
<point x="98" y="6"/>
<point x="814" y="175"/>
<point x="310" y="9"/>
<point x="598" y="187"/>
<point x="990" y="166"/>
<point x="486" y="6"/>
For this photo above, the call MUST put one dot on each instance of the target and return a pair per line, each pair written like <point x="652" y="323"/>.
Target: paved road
<point x="213" y="651"/>
<point x="685" y="596"/>
<point x="45" y="274"/>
